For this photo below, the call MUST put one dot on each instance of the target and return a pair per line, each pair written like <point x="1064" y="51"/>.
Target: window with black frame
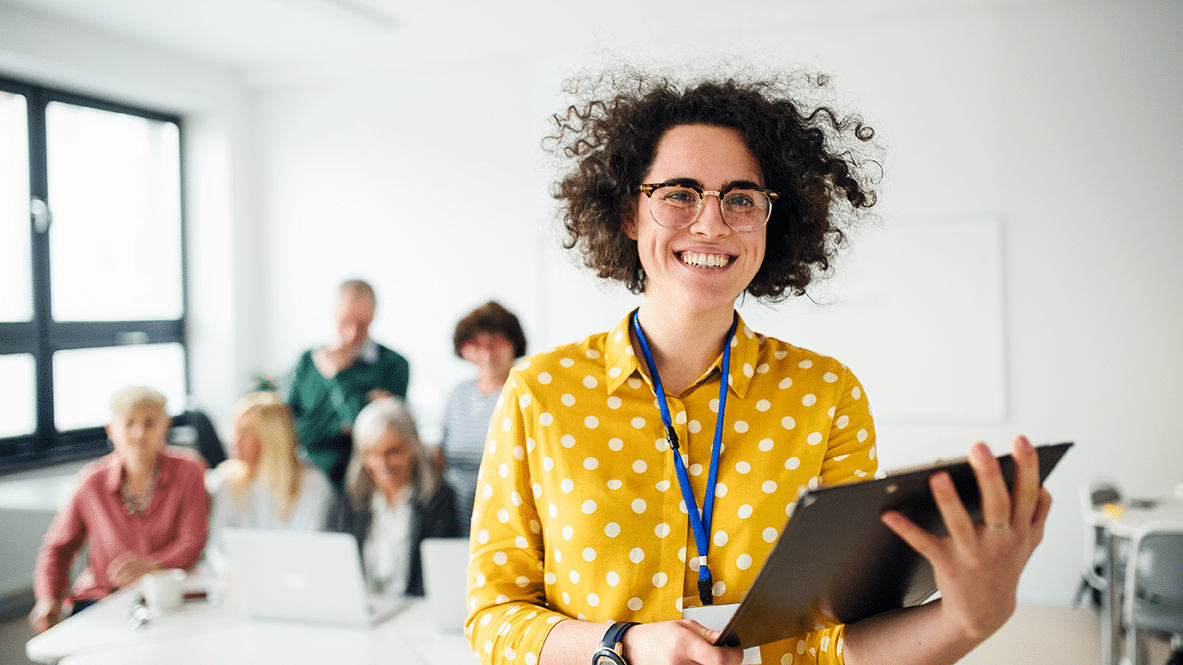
<point x="92" y="291"/>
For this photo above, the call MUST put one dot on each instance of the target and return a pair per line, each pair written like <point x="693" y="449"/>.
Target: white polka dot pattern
<point x="579" y="464"/>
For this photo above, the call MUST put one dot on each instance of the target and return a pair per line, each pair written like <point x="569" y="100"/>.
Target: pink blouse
<point x="172" y="530"/>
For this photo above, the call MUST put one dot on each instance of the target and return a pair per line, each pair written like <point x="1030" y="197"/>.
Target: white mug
<point x="162" y="590"/>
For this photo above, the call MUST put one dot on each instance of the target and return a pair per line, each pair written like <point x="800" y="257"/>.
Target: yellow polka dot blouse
<point x="578" y="510"/>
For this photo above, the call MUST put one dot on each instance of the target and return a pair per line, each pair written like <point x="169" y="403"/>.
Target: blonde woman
<point x="393" y="498"/>
<point x="265" y="485"/>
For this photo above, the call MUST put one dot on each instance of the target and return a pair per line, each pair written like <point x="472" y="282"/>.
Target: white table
<point x="105" y="625"/>
<point x="1119" y="530"/>
<point x="203" y="634"/>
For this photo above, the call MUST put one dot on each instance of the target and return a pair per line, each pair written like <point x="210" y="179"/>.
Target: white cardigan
<point x="258" y="511"/>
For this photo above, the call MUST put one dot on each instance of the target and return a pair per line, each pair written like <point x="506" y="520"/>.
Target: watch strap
<point x="610" y="648"/>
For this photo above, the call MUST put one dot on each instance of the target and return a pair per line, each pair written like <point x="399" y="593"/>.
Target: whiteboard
<point x="916" y="310"/>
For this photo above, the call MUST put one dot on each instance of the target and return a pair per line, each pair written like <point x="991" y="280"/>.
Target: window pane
<point x="16" y="287"/>
<point x="114" y="190"/>
<point x="85" y="379"/>
<point x="18" y="410"/>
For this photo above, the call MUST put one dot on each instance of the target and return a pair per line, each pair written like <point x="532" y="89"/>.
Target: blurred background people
<point x="265" y="485"/>
<point x="393" y="498"/>
<point x="490" y="338"/>
<point x="330" y="385"/>
<point x="142" y="507"/>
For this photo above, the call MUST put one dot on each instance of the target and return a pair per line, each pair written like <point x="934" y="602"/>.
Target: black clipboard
<point x="836" y="562"/>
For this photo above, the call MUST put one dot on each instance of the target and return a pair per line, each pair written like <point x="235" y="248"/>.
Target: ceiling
<point x="269" y="41"/>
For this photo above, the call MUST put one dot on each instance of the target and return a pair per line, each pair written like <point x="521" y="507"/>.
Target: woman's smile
<point x="705" y="260"/>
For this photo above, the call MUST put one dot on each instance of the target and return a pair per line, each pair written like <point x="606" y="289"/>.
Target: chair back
<point x="195" y="430"/>
<point x="1102" y="492"/>
<point x="1154" y="578"/>
<point x="1094" y="496"/>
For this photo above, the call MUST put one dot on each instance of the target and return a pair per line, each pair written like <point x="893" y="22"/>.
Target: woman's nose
<point x="710" y="220"/>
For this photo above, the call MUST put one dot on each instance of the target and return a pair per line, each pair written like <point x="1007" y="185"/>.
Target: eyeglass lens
<point x="677" y="207"/>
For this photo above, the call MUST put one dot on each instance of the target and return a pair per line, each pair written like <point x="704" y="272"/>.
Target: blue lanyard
<point x="700" y="523"/>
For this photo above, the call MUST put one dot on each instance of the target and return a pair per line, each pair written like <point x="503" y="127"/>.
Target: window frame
<point x="42" y="336"/>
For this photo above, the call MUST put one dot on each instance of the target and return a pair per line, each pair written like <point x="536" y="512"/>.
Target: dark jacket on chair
<point x="435" y="518"/>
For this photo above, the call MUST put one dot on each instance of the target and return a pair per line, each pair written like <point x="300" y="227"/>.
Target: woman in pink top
<point x="141" y="508"/>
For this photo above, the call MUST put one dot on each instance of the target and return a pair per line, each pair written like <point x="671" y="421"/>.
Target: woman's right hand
<point x="129" y="567"/>
<point x="676" y="642"/>
<point x="45" y="615"/>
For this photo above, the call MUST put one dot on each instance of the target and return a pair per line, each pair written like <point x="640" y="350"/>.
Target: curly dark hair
<point x="816" y="160"/>
<point x="491" y="318"/>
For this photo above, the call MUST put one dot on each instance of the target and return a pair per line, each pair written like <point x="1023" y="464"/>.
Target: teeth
<point x="705" y="260"/>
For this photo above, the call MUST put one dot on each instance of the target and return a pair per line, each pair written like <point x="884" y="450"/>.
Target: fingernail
<point x="942" y="482"/>
<point x="980" y="455"/>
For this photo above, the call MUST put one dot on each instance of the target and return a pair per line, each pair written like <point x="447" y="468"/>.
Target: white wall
<point x="1051" y="121"/>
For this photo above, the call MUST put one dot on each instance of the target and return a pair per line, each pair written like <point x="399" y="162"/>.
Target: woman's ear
<point x="629" y="223"/>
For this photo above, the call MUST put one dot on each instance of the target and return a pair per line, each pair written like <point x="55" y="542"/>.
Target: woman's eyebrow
<point x="691" y="182"/>
<point x="727" y="186"/>
<point x="741" y="184"/>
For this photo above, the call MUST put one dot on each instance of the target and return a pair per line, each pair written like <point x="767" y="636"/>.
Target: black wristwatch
<point x="611" y="650"/>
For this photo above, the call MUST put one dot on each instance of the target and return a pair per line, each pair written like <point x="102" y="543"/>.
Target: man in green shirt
<point x="331" y="384"/>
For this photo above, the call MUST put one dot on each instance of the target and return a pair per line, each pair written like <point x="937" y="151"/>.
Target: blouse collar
<point x="622" y="364"/>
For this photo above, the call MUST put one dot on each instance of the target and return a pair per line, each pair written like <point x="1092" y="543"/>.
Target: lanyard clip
<point x="705" y="595"/>
<point x="671" y="436"/>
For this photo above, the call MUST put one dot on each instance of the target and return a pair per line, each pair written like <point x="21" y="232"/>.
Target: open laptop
<point x="302" y="576"/>
<point x="445" y="577"/>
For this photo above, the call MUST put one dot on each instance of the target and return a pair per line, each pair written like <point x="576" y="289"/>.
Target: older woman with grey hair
<point x="393" y="498"/>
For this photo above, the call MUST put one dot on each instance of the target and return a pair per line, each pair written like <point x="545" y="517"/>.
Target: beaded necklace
<point x="137" y="503"/>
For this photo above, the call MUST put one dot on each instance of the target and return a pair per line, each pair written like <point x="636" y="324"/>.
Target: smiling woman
<point x="642" y="472"/>
<point x="822" y="165"/>
<point x="491" y="338"/>
<point x="393" y="498"/>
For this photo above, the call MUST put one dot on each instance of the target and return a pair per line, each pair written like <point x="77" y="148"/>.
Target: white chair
<point x="1154" y="588"/>
<point x="1094" y="495"/>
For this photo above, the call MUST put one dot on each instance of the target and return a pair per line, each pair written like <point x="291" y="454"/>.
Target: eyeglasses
<point x="744" y="209"/>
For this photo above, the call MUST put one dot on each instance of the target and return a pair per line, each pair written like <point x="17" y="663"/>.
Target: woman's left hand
<point x="129" y="567"/>
<point x="977" y="567"/>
